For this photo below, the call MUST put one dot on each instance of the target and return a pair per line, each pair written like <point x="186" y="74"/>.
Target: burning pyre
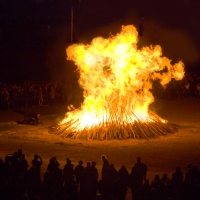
<point x="117" y="79"/>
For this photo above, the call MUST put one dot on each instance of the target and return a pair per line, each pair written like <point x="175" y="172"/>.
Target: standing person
<point x="142" y="169"/>
<point x="68" y="169"/>
<point x="122" y="183"/>
<point x="23" y="164"/>
<point x="177" y="178"/>
<point x="88" y="168"/>
<point x="105" y="168"/>
<point x="94" y="179"/>
<point x="94" y="169"/>
<point x="19" y="153"/>
<point x="45" y="96"/>
<point x="138" y="175"/>
<point x="53" y="165"/>
<point x="52" y="95"/>
<point x="15" y="163"/>
<point x="40" y="96"/>
<point x="37" y="162"/>
<point x="79" y="172"/>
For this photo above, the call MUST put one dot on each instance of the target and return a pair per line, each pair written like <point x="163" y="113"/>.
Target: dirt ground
<point x="161" y="155"/>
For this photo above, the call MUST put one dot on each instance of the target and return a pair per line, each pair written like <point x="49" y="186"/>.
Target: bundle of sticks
<point x="115" y="127"/>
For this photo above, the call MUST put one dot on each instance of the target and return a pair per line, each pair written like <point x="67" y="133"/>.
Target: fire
<point x="117" y="81"/>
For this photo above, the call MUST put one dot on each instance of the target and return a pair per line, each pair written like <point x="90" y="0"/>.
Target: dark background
<point x="34" y="34"/>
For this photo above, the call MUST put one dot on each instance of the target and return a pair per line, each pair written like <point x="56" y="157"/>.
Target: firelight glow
<point x="117" y="80"/>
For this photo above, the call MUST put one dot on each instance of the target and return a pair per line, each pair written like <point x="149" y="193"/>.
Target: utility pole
<point x="72" y="20"/>
<point x="75" y="7"/>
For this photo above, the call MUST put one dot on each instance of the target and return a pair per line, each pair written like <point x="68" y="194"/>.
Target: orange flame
<point x="117" y="78"/>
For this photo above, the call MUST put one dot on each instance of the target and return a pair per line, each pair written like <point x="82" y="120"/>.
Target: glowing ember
<point x="117" y="78"/>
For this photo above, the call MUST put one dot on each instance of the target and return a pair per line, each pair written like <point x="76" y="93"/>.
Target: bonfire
<point x="117" y="80"/>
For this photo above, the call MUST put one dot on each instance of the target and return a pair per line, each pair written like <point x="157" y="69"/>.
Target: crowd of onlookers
<point x="28" y="94"/>
<point x="188" y="87"/>
<point x="20" y="180"/>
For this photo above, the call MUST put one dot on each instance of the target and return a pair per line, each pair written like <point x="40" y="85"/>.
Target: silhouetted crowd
<point x="188" y="87"/>
<point x="28" y="94"/>
<point x="19" y="181"/>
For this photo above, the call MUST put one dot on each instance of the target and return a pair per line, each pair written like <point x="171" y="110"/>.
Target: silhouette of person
<point x="105" y="188"/>
<point x="141" y="169"/>
<point x="79" y="172"/>
<point x="164" y="178"/>
<point x="94" y="179"/>
<point x="122" y="183"/>
<point x="177" y="178"/>
<point x="188" y="172"/>
<point x="144" y="192"/>
<point x="94" y="169"/>
<point x="156" y="181"/>
<point x="2" y="168"/>
<point x="137" y="175"/>
<point x="88" y="168"/>
<point x="23" y="164"/>
<point x="88" y="184"/>
<point x="195" y="172"/>
<point x="15" y="163"/>
<point x="71" y="187"/>
<point x="19" y="153"/>
<point x="112" y="173"/>
<point x="33" y="176"/>
<point x="37" y="162"/>
<point x="53" y="165"/>
<point x="68" y="170"/>
<point x="105" y="167"/>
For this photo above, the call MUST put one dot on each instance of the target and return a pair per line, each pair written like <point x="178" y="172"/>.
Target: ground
<point x="161" y="154"/>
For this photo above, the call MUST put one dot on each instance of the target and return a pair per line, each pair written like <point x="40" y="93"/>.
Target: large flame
<point x="117" y="79"/>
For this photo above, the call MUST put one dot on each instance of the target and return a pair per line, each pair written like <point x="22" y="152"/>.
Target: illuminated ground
<point x="161" y="155"/>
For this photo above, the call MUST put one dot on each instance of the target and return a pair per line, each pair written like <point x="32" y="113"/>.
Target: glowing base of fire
<point x="141" y="128"/>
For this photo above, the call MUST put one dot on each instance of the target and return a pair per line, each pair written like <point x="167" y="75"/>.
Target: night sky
<point x="35" y="34"/>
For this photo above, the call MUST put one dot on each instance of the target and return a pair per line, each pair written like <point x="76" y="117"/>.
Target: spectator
<point x="94" y="169"/>
<point x="112" y="173"/>
<point x="188" y="172"/>
<point x="40" y="96"/>
<point x="19" y="153"/>
<point x="37" y="162"/>
<point x="53" y="165"/>
<point x="2" y="168"/>
<point x="68" y="170"/>
<point x="113" y="185"/>
<point x="164" y="178"/>
<point x="195" y="172"/>
<point x="23" y="165"/>
<point x="122" y="183"/>
<point x="145" y="189"/>
<point x="105" y="168"/>
<point x="105" y="188"/>
<point x="52" y="95"/>
<point x="177" y="178"/>
<point x="15" y="163"/>
<point x="79" y="172"/>
<point x="155" y="182"/>
<point x="139" y="172"/>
